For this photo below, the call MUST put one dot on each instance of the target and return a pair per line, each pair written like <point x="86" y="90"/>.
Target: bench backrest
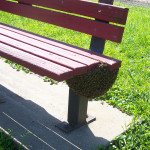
<point x="66" y="14"/>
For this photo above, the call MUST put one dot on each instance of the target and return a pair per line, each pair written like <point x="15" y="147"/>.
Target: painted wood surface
<point x="84" y="25"/>
<point x="54" y="60"/>
<point x="74" y="53"/>
<point x="35" y="64"/>
<point x="86" y="8"/>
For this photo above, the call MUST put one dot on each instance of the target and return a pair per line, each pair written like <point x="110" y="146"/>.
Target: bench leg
<point x="77" y="113"/>
<point x="77" y="109"/>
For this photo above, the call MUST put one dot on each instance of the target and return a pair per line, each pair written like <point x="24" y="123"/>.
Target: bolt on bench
<point x="61" y="61"/>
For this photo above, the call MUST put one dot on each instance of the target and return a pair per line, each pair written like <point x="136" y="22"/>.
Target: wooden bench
<point x="57" y="60"/>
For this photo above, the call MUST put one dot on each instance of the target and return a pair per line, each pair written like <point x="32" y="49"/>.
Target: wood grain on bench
<point x="84" y="25"/>
<point x="86" y="8"/>
<point x="35" y="64"/>
<point x="69" y="61"/>
<point x="111" y="62"/>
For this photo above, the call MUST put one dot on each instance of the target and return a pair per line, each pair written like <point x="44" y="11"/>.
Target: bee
<point x="95" y="82"/>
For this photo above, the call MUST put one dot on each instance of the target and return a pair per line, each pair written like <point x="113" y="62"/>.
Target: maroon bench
<point x="57" y="60"/>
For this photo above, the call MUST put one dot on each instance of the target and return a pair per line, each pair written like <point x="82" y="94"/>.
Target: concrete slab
<point x="33" y="107"/>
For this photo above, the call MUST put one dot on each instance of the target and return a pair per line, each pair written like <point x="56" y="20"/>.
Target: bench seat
<point x="47" y="57"/>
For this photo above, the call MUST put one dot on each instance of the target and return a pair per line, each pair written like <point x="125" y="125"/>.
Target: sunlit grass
<point x="131" y="91"/>
<point x="6" y="142"/>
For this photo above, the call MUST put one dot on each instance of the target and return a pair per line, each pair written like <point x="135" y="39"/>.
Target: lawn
<point x="6" y="142"/>
<point x="131" y="91"/>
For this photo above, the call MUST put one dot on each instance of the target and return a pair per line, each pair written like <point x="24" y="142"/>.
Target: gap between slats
<point x="52" y="49"/>
<point x="91" y="27"/>
<point x="86" y="8"/>
<point x="36" y="64"/>
<point x="113" y="63"/>
<point x="78" y="68"/>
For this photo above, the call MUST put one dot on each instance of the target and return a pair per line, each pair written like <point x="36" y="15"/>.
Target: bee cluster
<point x="95" y="82"/>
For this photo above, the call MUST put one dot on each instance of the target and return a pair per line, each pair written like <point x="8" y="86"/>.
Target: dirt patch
<point x="143" y="3"/>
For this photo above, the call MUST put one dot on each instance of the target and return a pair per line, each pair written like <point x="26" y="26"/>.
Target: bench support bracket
<point x="77" y="109"/>
<point x="77" y="113"/>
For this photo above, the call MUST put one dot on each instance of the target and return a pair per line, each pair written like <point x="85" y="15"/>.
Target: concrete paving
<point x="140" y="3"/>
<point x="33" y="107"/>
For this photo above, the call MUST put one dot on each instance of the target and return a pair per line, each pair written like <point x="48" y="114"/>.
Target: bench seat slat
<point x="91" y="9"/>
<point x="111" y="62"/>
<point x="35" y="64"/>
<point x="47" y="49"/>
<point x="88" y="26"/>
<point x="77" y="68"/>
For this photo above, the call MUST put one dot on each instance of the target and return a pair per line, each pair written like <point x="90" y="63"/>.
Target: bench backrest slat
<point x="88" y="26"/>
<point x="86" y="8"/>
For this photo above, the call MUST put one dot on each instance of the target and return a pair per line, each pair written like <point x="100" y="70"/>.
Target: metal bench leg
<point x="77" y="109"/>
<point x="77" y="113"/>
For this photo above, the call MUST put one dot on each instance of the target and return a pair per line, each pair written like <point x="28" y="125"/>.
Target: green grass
<point x="6" y="142"/>
<point x="131" y="91"/>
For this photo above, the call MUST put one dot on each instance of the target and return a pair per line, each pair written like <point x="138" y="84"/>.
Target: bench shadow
<point x="33" y="126"/>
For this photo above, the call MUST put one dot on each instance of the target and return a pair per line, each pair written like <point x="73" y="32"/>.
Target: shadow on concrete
<point x="33" y="126"/>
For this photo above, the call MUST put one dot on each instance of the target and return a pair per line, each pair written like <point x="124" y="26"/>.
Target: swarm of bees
<point x="95" y="82"/>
